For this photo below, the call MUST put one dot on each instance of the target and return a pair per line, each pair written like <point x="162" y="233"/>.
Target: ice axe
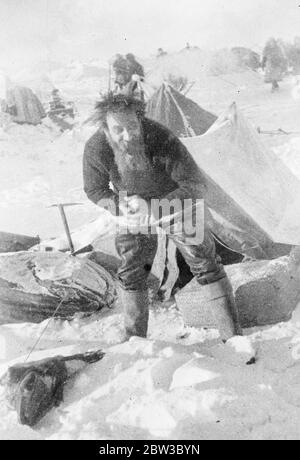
<point x="61" y="207"/>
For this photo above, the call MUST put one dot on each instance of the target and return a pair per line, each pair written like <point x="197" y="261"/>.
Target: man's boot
<point x="136" y="312"/>
<point x="231" y="307"/>
<point x="210" y="306"/>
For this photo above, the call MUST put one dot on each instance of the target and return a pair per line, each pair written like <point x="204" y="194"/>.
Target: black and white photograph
<point x="149" y="222"/>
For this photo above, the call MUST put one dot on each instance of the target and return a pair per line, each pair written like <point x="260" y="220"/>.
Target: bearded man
<point x="130" y="153"/>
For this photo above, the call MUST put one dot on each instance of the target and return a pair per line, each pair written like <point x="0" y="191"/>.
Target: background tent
<point x="178" y="113"/>
<point x="24" y="106"/>
<point x="33" y="284"/>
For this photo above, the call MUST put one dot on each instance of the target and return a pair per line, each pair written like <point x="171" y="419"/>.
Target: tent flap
<point x="178" y="113"/>
<point x="246" y="183"/>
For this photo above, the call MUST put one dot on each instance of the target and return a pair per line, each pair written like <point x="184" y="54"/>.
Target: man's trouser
<point x="137" y="253"/>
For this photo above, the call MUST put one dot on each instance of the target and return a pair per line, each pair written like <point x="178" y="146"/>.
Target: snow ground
<point x="177" y="384"/>
<point x="166" y="387"/>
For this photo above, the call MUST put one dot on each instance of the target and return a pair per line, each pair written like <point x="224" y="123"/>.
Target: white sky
<point x="34" y="30"/>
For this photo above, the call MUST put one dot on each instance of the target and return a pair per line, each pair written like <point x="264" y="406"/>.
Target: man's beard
<point x="129" y="157"/>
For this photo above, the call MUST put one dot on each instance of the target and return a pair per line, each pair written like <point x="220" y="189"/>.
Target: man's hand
<point x="136" y="211"/>
<point x="133" y="204"/>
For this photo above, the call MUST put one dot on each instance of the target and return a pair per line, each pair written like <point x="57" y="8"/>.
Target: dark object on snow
<point x="178" y="113"/>
<point x="11" y="242"/>
<point x="33" y="284"/>
<point x="33" y="389"/>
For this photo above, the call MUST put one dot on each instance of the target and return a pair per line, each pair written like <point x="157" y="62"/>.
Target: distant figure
<point x="135" y="68"/>
<point x="121" y="70"/>
<point x="136" y="75"/>
<point x="57" y="102"/>
<point x="274" y="64"/>
<point x="128" y="73"/>
<point x="188" y="46"/>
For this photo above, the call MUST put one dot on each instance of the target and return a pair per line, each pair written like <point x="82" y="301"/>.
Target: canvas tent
<point x="242" y="176"/>
<point x="24" y="106"/>
<point x="178" y="113"/>
<point x="253" y="196"/>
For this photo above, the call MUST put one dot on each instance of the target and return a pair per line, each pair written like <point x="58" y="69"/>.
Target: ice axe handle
<point x="66" y="226"/>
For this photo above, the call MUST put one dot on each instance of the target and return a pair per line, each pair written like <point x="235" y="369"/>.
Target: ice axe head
<point x="64" y="205"/>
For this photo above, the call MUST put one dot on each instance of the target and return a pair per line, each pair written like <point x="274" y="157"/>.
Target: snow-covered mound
<point x="193" y="64"/>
